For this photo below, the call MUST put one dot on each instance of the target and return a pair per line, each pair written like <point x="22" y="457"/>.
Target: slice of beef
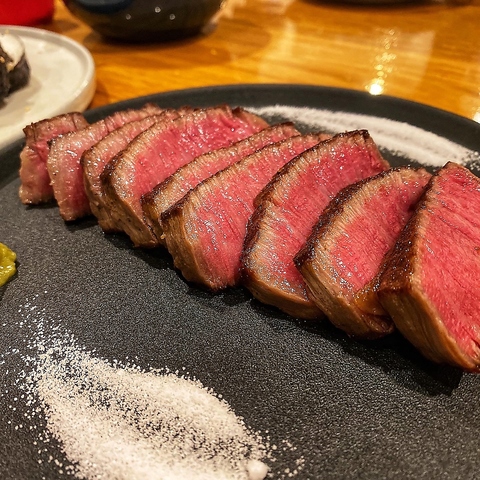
<point x="63" y="162"/>
<point x="341" y="259"/>
<point x="158" y="152"/>
<point x="429" y="284"/>
<point x="204" y="231"/>
<point x="168" y="192"/>
<point x="35" y="185"/>
<point x="95" y="158"/>
<point x="287" y="210"/>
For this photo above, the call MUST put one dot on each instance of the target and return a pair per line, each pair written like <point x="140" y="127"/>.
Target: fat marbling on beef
<point x="96" y="158"/>
<point x="341" y="259"/>
<point x="287" y="209"/>
<point x="204" y="231"/>
<point x="35" y="185"/>
<point x="171" y="190"/>
<point x="161" y="150"/>
<point x="429" y="284"/>
<point x="63" y="161"/>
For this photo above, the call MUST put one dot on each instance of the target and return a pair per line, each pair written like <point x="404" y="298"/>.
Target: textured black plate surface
<point x="353" y="410"/>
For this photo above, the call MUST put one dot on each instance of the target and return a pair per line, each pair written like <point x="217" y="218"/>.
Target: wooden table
<point x="428" y="52"/>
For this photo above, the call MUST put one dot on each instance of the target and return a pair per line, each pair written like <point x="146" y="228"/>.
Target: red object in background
<point x="25" y="12"/>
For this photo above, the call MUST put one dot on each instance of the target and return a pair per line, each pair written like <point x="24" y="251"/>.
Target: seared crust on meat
<point x="35" y="185"/>
<point x="158" y="152"/>
<point x="288" y="207"/>
<point x="204" y="232"/>
<point x="171" y="190"/>
<point x="96" y="158"/>
<point x="341" y="259"/>
<point x="428" y="284"/>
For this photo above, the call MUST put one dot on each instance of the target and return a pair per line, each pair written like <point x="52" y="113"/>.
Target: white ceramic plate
<point x="62" y="80"/>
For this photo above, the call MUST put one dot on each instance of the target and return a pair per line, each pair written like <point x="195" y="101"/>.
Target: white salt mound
<point x="123" y="423"/>
<point x="399" y="138"/>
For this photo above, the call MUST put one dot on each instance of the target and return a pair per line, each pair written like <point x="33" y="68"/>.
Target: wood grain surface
<point x="423" y="51"/>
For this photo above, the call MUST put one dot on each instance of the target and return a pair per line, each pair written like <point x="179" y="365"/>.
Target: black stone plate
<point x="352" y="410"/>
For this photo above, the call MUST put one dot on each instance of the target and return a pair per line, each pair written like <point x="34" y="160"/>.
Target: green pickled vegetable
<point x="7" y="264"/>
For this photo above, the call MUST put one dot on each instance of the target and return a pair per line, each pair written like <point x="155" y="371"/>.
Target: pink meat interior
<point x="161" y="156"/>
<point x="360" y="249"/>
<point x="224" y="214"/>
<point x="212" y="162"/>
<point x="341" y="166"/>
<point x="450" y="257"/>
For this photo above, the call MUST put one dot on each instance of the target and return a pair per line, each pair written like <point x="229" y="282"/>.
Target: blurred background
<point x="427" y="51"/>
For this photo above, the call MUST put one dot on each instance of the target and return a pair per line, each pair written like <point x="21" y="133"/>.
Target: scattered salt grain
<point x="399" y="138"/>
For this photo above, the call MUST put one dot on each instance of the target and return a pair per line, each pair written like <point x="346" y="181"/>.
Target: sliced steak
<point x="168" y="192"/>
<point x="35" y="185"/>
<point x="204" y="231"/>
<point x="341" y="259"/>
<point x="158" y="152"/>
<point x="288" y="208"/>
<point x="429" y="284"/>
<point x="95" y="158"/>
<point x="63" y="162"/>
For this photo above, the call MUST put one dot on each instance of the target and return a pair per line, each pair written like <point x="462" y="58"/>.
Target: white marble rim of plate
<point x="62" y="80"/>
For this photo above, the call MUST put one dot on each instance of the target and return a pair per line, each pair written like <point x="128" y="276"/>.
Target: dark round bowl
<point x="145" y="20"/>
